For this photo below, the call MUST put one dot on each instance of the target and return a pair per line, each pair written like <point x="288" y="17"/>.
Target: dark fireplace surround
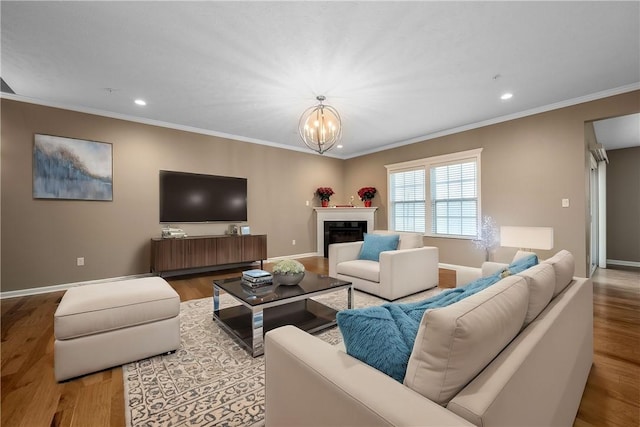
<point x="343" y="231"/>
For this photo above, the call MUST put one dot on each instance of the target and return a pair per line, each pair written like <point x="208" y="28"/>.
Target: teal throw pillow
<point x="375" y="243"/>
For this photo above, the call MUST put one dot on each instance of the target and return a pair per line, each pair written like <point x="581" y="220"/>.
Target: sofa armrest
<point x="340" y="252"/>
<point x="406" y="271"/>
<point x="312" y="383"/>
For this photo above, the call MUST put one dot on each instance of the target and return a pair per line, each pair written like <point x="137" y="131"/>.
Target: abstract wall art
<point x="72" y="169"/>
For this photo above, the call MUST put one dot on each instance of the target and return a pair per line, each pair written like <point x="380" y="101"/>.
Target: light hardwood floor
<point x="31" y="397"/>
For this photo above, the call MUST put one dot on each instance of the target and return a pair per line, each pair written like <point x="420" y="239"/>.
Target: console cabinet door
<point x="229" y="250"/>
<point x="254" y="248"/>
<point x="165" y="255"/>
<point x="200" y="253"/>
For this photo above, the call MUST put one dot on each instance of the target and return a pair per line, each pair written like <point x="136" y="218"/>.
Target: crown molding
<point x="543" y="109"/>
<point x="159" y="123"/>
<point x="562" y="104"/>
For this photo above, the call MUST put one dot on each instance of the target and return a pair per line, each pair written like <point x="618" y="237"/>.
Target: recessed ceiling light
<point x="140" y="102"/>
<point x="506" y="96"/>
<point x="339" y="146"/>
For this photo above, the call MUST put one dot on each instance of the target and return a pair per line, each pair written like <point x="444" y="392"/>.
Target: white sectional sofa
<point x="517" y="353"/>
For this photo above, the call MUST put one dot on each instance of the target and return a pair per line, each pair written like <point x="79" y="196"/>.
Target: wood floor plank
<point x="31" y="396"/>
<point x="117" y="398"/>
<point x="93" y="406"/>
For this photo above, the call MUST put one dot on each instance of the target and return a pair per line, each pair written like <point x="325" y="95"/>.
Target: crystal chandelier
<point x="320" y="127"/>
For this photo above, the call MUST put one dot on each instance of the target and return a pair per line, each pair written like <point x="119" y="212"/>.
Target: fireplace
<point x="344" y="215"/>
<point x="342" y="231"/>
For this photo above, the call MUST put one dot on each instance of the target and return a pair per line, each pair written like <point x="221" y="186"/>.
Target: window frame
<point x="427" y="164"/>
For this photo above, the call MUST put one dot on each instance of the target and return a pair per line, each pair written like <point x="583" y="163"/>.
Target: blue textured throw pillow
<point x="383" y="336"/>
<point x="375" y="243"/>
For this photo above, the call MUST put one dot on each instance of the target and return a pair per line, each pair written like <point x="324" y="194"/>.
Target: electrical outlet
<point x="293" y="242"/>
<point x="565" y="203"/>
<point x="80" y="261"/>
<point x="306" y="203"/>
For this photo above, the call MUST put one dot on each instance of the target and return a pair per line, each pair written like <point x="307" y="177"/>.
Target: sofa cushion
<point x="361" y="268"/>
<point x="522" y="254"/>
<point x="455" y="343"/>
<point x="383" y="336"/>
<point x="564" y="266"/>
<point x="375" y="243"/>
<point x="407" y="240"/>
<point x="541" y="280"/>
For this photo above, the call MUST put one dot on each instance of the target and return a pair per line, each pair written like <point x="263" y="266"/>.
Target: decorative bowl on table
<point x="288" y="272"/>
<point x="288" y="279"/>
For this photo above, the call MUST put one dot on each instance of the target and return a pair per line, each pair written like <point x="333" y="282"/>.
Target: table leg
<point x="216" y="299"/>
<point x="350" y="297"/>
<point x="257" y="345"/>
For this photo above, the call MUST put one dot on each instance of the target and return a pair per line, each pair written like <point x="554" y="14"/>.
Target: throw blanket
<point x="383" y="336"/>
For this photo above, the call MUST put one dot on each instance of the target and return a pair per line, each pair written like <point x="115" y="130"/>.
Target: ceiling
<point x="398" y="72"/>
<point x="618" y="132"/>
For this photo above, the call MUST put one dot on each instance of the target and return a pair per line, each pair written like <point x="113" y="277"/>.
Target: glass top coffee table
<point x="269" y="307"/>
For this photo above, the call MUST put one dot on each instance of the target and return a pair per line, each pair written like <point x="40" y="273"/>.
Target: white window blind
<point x="438" y="196"/>
<point x="454" y="199"/>
<point x="408" y="203"/>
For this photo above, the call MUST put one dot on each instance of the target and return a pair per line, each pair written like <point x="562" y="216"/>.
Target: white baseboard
<point x="65" y="286"/>
<point x="294" y="256"/>
<point x="623" y="263"/>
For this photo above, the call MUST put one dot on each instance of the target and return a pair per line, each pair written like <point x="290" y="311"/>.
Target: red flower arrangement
<point x="324" y="193"/>
<point x="367" y="193"/>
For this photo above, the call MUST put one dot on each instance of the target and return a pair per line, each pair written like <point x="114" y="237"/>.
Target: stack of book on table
<point x="256" y="278"/>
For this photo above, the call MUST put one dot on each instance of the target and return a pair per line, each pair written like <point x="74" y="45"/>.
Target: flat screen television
<point x="192" y="197"/>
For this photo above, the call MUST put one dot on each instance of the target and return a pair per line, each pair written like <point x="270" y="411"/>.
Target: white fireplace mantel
<point x="341" y="214"/>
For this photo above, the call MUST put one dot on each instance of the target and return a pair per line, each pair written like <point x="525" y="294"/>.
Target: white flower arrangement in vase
<point x="288" y="272"/>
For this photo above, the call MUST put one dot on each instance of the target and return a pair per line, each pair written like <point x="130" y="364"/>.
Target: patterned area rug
<point x="211" y="380"/>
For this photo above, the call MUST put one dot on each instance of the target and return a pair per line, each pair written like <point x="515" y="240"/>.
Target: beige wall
<point x="41" y="239"/>
<point x="623" y="205"/>
<point x="528" y="166"/>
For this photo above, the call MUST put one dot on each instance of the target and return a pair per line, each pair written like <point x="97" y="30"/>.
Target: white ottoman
<point x="100" y="326"/>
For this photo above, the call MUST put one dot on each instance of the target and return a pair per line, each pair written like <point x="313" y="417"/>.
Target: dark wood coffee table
<point x="272" y="306"/>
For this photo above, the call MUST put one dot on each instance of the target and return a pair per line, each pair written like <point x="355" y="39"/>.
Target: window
<point x="454" y="201"/>
<point x="407" y="200"/>
<point x="451" y="186"/>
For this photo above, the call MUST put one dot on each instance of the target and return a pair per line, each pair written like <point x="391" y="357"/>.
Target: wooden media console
<point x="206" y="251"/>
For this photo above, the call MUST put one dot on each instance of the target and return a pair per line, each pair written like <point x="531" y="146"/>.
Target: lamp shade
<point x="527" y="237"/>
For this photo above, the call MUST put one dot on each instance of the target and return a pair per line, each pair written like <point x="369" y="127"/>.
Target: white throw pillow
<point x="564" y="266"/>
<point x="541" y="280"/>
<point x="522" y="254"/>
<point x="456" y="342"/>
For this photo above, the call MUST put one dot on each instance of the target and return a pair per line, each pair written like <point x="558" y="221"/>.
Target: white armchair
<point x="409" y="269"/>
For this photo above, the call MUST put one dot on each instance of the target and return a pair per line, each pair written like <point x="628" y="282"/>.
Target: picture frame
<point x="245" y="230"/>
<point x="72" y="169"/>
